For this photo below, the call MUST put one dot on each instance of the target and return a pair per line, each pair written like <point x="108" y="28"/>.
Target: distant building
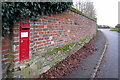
<point x="103" y="26"/>
<point x="117" y="26"/>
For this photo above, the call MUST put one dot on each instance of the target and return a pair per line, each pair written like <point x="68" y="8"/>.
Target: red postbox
<point x="24" y="41"/>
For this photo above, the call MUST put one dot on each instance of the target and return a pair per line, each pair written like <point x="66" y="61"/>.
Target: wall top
<point x="79" y="12"/>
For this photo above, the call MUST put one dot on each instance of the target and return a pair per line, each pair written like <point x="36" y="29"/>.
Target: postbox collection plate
<point x="24" y="34"/>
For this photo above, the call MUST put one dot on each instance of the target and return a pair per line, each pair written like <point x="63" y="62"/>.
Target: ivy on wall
<point x="13" y="12"/>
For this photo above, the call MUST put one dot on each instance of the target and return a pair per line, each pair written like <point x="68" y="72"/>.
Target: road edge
<point x="100" y="60"/>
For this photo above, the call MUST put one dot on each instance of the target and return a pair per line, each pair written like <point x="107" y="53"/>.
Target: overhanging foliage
<point x="13" y="12"/>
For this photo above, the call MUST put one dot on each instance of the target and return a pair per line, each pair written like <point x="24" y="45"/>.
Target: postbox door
<point x="24" y="49"/>
<point x="24" y="44"/>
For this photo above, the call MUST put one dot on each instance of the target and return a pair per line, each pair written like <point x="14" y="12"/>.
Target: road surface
<point x="109" y="65"/>
<point x="87" y="65"/>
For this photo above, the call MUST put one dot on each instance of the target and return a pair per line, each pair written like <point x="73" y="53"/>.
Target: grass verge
<point x="115" y="29"/>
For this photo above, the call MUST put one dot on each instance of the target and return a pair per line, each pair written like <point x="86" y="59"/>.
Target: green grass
<point x="115" y="29"/>
<point x="64" y="48"/>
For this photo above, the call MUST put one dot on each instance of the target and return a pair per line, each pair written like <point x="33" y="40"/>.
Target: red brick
<point x="16" y="60"/>
<point x="16" y="56"/>
<point x="5" y="52"/>
<point x="47" y="27"/>
<point x="5" y="47"/>
<point x="40" y="45"/>
<point x="39" y="42"/>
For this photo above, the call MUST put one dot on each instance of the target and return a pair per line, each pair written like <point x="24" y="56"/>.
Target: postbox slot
<point x="25" y="28"/>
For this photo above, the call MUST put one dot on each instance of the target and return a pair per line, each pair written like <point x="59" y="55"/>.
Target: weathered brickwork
<point x="60" y="29"/>
<point x="5" y="53"/>
<point x="47" y="33"/>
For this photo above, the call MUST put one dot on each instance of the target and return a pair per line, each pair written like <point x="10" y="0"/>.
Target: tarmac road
<point x="109" y="65"/>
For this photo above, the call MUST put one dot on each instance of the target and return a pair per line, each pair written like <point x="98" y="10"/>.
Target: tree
<point x="87" y="8"/>
<point x="117" y="26"/>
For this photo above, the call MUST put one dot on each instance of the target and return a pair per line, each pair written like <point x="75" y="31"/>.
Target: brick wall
<point x="60" y="29"/>
<point x="6" y="48"/>
<point x="10" y="50"/>
<point x="46" y="33"/>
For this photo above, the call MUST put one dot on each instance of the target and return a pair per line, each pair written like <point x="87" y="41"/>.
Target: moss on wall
<point x="38" y="63"/>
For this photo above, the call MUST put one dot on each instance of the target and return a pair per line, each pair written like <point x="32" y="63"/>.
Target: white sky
<point x="107" y="11"/>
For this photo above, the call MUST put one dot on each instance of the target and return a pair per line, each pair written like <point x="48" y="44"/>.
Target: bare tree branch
<point x="87" y="8"/>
